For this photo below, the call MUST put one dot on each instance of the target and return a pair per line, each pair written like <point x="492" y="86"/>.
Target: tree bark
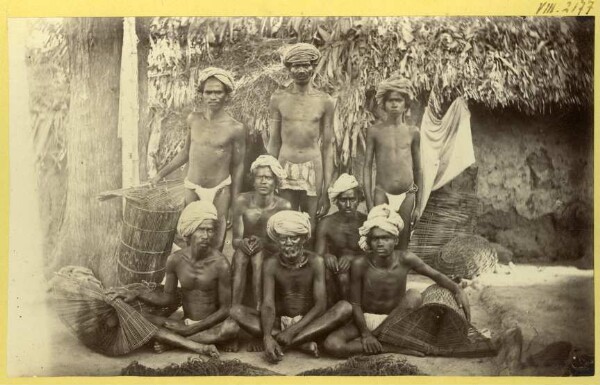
<point x="142" y="30"/>
<point x="88" y="236"/>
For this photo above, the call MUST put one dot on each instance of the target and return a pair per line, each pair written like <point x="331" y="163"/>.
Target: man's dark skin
<point x="337" y="239"/>
<point x="299" y="117"/>
<point x="214" y="149"/>
<point x="292" y="292"/>
<point x="251" y="212"/>
<point x="379" y="287"/>
<point x="396" y="149"/>
<point x="205" y="278"/>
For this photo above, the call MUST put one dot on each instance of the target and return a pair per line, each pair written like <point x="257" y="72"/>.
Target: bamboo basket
<point x="448" y="214"/>
<point x="146" y="240"/>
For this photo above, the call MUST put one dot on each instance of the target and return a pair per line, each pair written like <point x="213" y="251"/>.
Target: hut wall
<point x="535" y="181"/>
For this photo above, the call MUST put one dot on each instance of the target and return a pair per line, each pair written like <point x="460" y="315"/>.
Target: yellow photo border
<point x="85" y="8"/>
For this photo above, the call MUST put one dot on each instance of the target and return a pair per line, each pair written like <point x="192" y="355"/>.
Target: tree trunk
<point x="142" y="30"/>
<point x="89" y="232"/>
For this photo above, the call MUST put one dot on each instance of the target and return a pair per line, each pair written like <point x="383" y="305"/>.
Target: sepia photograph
<point x="301" y="196"/>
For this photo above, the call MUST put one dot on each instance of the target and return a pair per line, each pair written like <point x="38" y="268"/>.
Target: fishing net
<point x="109" y="327"/>
<point x="439" y="328"/>
<point x="379" y="365"/>
<point x="198" y="367"/>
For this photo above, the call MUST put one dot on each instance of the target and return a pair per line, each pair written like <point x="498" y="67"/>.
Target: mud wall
<point x="535" y="181"/>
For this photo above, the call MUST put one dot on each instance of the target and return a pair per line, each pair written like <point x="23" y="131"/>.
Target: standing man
<point x="300" y="116"/>
<point x="337" y="234"/>
<point x="205" y="278"/>
<point x="293" y="307"/>
<point x="214" y="149"/>
<point x="396" y="148"/>
<point x="379" y="286"/>
<point x="251" y="212"/>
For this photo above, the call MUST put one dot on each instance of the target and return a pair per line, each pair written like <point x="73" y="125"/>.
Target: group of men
<point x="331" y="293"/>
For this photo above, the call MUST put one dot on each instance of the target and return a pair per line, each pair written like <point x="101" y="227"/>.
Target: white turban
<point x="344" y="183"/>
<point x="288" y="223"/>
<point x="272" y="163"/>
<point x="221" y="75"/>
<point x="395" y="83"/>
<point x="301" y="53"/>
<point x="193" y="215"/>
<point x="385" y="218"/>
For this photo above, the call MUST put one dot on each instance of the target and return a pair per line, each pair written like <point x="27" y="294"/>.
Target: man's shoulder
<point x="282" y="203"/>
<point x="409" y="258"/>
<point x="176" y="257"/>
<point x="221" y="261"/>
<point x="315" y="259"/>
<point x="360" y="262"/>
<point x="243" y="198"/>
<point x="194" y="115"/>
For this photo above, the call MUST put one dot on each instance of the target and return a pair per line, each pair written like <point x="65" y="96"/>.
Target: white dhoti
<point x="374" y="320"/>
<point x="206" y="194"/>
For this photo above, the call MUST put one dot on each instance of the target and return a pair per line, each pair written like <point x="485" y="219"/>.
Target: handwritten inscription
<point x="574" y="7"/>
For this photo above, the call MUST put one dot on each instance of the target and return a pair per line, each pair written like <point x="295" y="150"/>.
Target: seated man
<point x="251" y="212"/>
<point x="337" y="234"/>
<point x="293" y="307"/>
<point x="205" y="278"/>
<point x="378" y="286"/>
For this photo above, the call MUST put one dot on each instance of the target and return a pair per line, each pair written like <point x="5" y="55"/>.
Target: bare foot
<point x="310" y="348"/>
<point x="231" y="346"/>
<point x="208" y="350"/>
<point x="159" y="347"/>
<point x="255" y="345"/>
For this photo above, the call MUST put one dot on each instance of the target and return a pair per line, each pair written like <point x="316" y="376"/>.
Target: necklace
<point x="301" y="262"/>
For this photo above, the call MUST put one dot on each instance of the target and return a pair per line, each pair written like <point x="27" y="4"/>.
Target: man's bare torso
<point x="342" y="233"/>
<point x="393" y="157"/>
<point x="383" y="289"/>
<point x="255" y="218"/>
<point x="199" y="282"/>
<point x="293" y="288"/>
<point x="301" y="116"/>
<point x="211" y="148"/>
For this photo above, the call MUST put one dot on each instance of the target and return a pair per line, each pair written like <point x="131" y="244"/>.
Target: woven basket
<point x="146" y="241"/>
<point x="448" y="214"/>
<point x="466" y="256"/>
<point x="439" y="327"/>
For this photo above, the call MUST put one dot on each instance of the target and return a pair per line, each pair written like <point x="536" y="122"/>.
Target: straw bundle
<point x="109" y="327"/>
<point x="439" y="327"/>
<point x="447" y="215"/>
<point x="466" y="256"/>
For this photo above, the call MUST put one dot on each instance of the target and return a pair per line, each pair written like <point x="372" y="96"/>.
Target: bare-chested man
<point x="299" y="116"/>
<point x="205" y="278"/>
<point x="337" y="234"/>
<point x="379" y="286"/>
<point x="251" y="211"/>
<point x="293" y="308"/>
<point x="396" y="148"/>
<point x="214" y="150"/>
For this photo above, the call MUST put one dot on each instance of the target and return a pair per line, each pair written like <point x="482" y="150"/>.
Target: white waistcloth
<point x="206" y="194"/>
<point x="286" y="321"/>
<point x="188" y="321"/>
<point x="446" y="147"/>
<point x="374" y="320"/>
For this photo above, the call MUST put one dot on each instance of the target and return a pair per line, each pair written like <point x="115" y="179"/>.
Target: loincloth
<point x="374" y="320"/>
<point x="301" y="176"/>
<point x="206" y="194"/>
<point x="286" y="321"/>
<point x="395" y="200"/>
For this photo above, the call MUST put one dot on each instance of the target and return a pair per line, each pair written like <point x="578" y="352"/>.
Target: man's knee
<point x="412" y="299"/>
<point x="342" y="308"/>
<point x="237" y="312"/>
<point x="229" y="329"/>
<point x="334" y="345"/>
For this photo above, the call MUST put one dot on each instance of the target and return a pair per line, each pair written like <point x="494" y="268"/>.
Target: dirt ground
<point x="549" y="304"/>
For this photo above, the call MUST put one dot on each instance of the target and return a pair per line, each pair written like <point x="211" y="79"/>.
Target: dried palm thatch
<point x="379" y="365"/>
<point x="448" y="214"/>
<point x="110" y="327"/>
<point x="439" y="327"/>
<point x="198" y="367"/>
<point x="466" y="256"/>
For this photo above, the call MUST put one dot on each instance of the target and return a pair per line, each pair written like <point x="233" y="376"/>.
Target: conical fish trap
<point x="466" y="256"/>
<point x="438" y="327"/>
<point x="109" y="327"/>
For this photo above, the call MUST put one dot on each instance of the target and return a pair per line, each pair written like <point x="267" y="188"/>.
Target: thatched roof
<point x="533" y="64"/>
